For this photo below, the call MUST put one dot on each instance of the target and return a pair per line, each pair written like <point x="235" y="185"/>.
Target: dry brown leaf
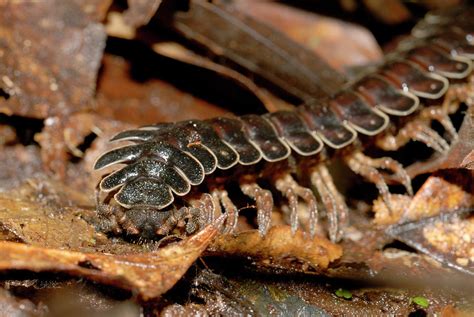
<point x="468" y="161"/>
<point x="339" y="43"/>
<point x="451" y="311"/>
<point x="389" y="11"/>
<point x="146" y="274"/>
<point x="437" y="4"/>
<point x="455" y="238"/>
<point x="181" y="53"/>
<point x="446" y="238"/>
<point x="399" y="205"/>
<point x="61" y="137"/>
<point x="18" y="163"/>
<point x="96" y="9"/>
<point x="445" y="191"/>
<point x="140" y="12"/>
<point x="34" y="224"/>
<point x="279" y="248"/>
<point x="122" y="98"/>
<point x="458" y="154"/>
<point x="50" y="53"/>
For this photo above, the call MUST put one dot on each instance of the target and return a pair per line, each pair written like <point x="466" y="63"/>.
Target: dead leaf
<point x="459" y="150"/>
<point x="399" y="205"/>
<point x="446" y="190"/>
<point x="140" y="12"/>
<point x="455" y="237"/>
<point x="468" y="161"/>
<point x="18" y="163"/>
<point x="341" y="44"/>
<point x="279" y="249"/>
<point x="448" y="238"/>
<point x="221" y="27"/>
<point x="96" y="9"/>
<point x="61" y="137"/>
<point x="34" y="224"/>
<point x="389" y="11"/>
<point x="147" y="274"/>
<point x="50" y="53"/>
<point x="179" y="52"/>
<point x="120" y="97"/>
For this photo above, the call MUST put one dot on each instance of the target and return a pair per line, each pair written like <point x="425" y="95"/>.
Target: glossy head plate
<point x="189" y="166"/>
<point x="145" y="192"/>
<point x="294" y="131"/>
<point x="147" y="169"/>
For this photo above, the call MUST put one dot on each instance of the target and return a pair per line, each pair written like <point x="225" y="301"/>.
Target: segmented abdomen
<point x="168" y="158"/>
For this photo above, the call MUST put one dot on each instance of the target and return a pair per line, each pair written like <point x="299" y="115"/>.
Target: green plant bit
<point x="343" y="293"/>
<point x="420" y="301"/>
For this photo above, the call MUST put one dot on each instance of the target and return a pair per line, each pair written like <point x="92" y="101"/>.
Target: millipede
<point x="177" y="174"/>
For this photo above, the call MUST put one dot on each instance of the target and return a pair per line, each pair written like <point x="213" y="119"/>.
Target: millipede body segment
<point x="169" y="160"/>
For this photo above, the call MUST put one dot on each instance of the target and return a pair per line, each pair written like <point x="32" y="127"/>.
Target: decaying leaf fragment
<point x="456" y="237"/>
<point x="140" y="12"/>
<point x="280" y="249"/>
<point x="458" y="155"/>
<point x="50" y="53"/>
<point x="38" y="225"/>
<point x="446" y="190"/>
<point x="220" y="27"/>
<point x="122" y="98"/>
<point x="146" y="274"/>
<point x="448" y="238"/>
<point x="468" y="161"/>
<point x="390" y="12"/>
<point x="339" y="43"/>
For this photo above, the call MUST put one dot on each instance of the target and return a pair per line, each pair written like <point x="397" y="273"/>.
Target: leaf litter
<point x="47" y="200"/>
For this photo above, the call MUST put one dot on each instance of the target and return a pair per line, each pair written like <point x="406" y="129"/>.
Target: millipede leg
<point x="195" y="222"/>
<point x="288" y="187"/>
<point x="439" y="114"/>
<point x="431" y="138"/>
<point x="264" y="201"/>
<point x="292" y="198"/>
<point x="342" y="210"/>
<point x="221" y="196"/>
<point x="175" y="218"/>
<point x="308" y="196"/>
<point x="332" y="200"/>
<point x="416" y="130"/>
<point x="364" y="169"/>
<point x="128" y="224"/>
<point x="389" y="164"/>
<point x="457" y="94"/>
<point x="208" y="207"/>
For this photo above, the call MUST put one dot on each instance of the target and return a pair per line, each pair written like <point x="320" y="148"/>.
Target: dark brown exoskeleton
<point x="180" y="170"/>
